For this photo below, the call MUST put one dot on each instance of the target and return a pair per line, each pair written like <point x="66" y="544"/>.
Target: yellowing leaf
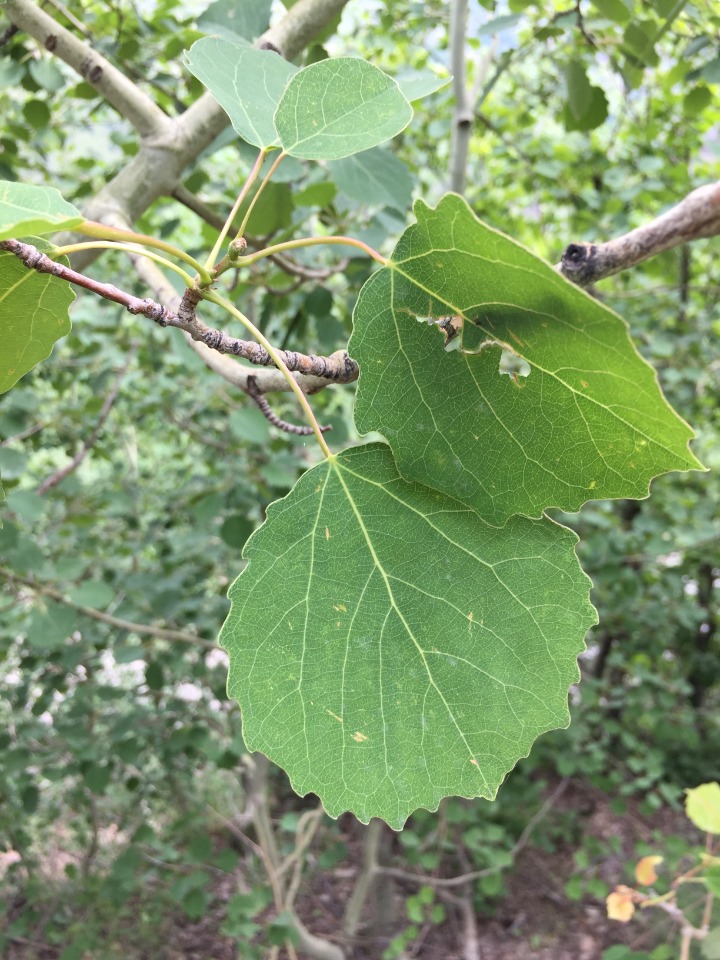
<point x="702" y="805"/>
<point x="620" y="905"/>
<point x="645" y="870"/>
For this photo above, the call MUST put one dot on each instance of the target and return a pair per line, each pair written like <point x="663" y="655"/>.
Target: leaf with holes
<point x="34" y="308"/>
<point x="26" y="209"/>
<point x="389" y="648"/>
<point x="246" y="82"/>
<point x="588" y="422"/>
<point x="338" y="107"/>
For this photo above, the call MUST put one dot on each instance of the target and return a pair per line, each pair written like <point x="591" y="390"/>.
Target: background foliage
<point x="124" y="779"/>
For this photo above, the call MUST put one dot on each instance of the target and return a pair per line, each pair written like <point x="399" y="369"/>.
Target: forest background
<point x="135" y="823"/>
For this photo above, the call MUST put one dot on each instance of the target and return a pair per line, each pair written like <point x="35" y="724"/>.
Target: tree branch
<point x="463" y="114"/>
<point x="59" y="475"/>
<point x="697" y="216"/>
<point x="269" y="380"/>
<point x="145" y="629"/>
<point x="292" y="267"/>
<point x="257" y="395"/>
<point x="337" y="368"/>
<point x="128" y="99"/>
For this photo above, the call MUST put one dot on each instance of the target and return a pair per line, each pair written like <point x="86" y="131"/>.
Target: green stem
<point x="309" y="242"/>
<point x="252" y="176"/>
<point x="214" y="297"/>
<point x="131" y="247"/>
<point x="102" y="232"/>
<point x="271" y="171"/>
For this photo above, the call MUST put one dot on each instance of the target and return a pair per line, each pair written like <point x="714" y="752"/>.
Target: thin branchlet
<point x="302" y="431"/>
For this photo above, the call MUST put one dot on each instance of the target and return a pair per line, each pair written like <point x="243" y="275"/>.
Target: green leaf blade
<point x="29" y="210"/>
<point x="589" y="422"/>
<point x="335" y="108"/>
<point x="34" y="307"/>
<point x="389" y="648"/>
<point x="246" y="82"/>
<point x="374" y="177"/>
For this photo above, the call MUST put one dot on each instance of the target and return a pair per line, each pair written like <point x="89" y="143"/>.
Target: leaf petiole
<point x="252" y="177"/>
<point x="214" y="297"/>
<point x="309" y="242"/>
<point x="266" y="180"/>
<point x="102" y="232"/>
<point x="129" y="247"/>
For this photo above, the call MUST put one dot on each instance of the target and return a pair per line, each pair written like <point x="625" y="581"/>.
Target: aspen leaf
<point x="389" y="648"/>
<point x="26" y="209"/>
<point x="588" y="422"/>
<point x="702" y="805"/>
<point x="338" y="107"/>
<point x="35" y="315"/>
<point x="645" y="873"/>
<point x="620" y="905"/>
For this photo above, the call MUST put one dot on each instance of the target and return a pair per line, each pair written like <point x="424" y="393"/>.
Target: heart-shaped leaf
<point x="34" y="308"/>
<point x="26" y="209"/>
<point x="389" y="648"/>
<point x="338" y="107"/>
<point x="246" y="82"/>
<point x="589" y="421"/>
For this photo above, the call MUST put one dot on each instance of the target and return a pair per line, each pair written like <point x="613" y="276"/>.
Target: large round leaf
<point x="246" y="82"/>
<point x="389" y="648"/>
<point x="335" y="108"/>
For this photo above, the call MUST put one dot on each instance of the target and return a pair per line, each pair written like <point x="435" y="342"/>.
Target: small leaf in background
<point x="338" y="107"/>
<point x="92" y="593"/>
<point x="711" y="71"/>
<point x="702" y="805"/>
<point x="26" y="209"/>
<point x="645" y="873"/>
<point x="236" y="529"/>
<point x="639" y="41"/>
<point x="712" y="879"/>
<point x="587" y="106"/>
<point x="612" y="9"/>
<point x="566" y="433"/>
<point x="417" y="84"/>
<point x="154" y="676"/>
<point x="246" y="82"/>
<point x="230" y="19"/>
<point x="47" y="74"/>
<point x="422" y="649"/>
<point x="272" y="212"/>
<point x="27" y="504"/>
<point x="49" y="628"/>
<point x="710" y="946"/>
<point x="620" y="904"/>
<point x="250" y="424"/>
<point x="498" y="24"/>
<point x="375" y="177"/>
<point x="578" y="88"/>
<point x="35" y="313"/>
<point x="315" y="195"/>
<point x="696" y="100"/>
